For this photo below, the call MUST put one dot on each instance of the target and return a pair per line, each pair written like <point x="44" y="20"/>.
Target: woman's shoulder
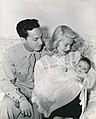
<point x="42" y="60"/>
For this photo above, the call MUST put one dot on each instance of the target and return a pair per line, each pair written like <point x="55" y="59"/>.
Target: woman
<point x="63" y="92"/>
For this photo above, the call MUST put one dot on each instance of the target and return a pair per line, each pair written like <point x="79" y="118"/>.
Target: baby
<point x="82" y="68"/>
<point x="49" y="97"/>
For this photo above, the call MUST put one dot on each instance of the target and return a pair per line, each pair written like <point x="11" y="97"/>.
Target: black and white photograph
<point x="47" y="59"/>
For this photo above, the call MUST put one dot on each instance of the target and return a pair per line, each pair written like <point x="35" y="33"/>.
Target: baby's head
<point x="83" y="65"/>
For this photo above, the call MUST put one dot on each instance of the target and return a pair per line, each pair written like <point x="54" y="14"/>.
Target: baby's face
<point x="82" y="67"/>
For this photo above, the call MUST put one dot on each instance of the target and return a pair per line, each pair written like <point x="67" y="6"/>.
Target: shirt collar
<point x="26" y="52"/>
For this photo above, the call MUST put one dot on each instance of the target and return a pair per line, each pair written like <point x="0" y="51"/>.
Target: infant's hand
<point x="80" y="79"/>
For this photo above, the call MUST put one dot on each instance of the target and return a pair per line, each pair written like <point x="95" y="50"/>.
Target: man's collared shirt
<point x="18" y="68"/>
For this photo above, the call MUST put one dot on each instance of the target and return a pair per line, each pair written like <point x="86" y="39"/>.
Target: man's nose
<point x="40" y="41"/>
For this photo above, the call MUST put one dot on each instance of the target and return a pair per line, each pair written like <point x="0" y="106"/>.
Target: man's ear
<point x="23" y="39"/>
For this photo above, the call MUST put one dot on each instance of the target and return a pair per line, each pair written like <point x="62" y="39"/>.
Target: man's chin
<point x="38" y="49"/>
<point x="67" y="52"/>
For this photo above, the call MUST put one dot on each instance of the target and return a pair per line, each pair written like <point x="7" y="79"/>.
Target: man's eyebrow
<point x="38" y="37"/>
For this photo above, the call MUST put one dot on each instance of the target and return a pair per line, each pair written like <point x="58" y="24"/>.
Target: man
<point x="18" y="67"/>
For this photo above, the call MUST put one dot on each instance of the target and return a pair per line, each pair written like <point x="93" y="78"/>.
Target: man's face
<point x="82" y="67"/>
<point x="65" y="45"/>
<point x="34" y="40"/>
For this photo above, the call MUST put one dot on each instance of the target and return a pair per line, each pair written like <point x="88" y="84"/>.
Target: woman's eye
<point x="85" y="69"/>
<point x="79" y="65"/>
<point x="66" y="45"/>
<point x="35" y="39"/>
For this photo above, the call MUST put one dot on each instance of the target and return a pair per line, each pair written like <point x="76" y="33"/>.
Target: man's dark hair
<point x="85" y="59"/>
<point x="24" y="25"/>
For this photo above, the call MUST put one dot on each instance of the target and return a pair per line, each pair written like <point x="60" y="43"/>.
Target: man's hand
<point x="26" y="108"/>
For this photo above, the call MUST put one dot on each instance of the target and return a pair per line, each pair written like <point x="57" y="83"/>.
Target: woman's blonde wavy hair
<point x="57" y="36"/>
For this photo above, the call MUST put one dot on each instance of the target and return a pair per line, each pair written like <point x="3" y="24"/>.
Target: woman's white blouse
<point x="55" y="83"/>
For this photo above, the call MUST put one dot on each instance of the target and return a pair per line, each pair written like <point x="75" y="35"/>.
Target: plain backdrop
<point x="78" y="14"/>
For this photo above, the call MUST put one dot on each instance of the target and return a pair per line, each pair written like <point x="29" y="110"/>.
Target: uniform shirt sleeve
<point x="7" y="76"/>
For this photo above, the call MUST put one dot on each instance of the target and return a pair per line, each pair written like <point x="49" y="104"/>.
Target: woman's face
<point x="65" y="45"/>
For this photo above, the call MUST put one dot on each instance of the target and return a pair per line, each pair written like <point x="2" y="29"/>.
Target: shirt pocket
<point x="22" y="74"/>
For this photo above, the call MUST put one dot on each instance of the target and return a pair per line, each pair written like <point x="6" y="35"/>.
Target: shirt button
<point x="16" y="100"/>
<point x="19" y="72"/>
<point x="8" y="93"/>
<point x="17" y="89"/>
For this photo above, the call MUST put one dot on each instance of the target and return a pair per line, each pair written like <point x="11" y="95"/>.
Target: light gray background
<point x="79" y="14"/>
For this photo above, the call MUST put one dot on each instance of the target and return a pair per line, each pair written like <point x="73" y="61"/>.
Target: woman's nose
<point x="68" y="47"/>
<point x="40" y="41"/>
<point x="80" y="69"/>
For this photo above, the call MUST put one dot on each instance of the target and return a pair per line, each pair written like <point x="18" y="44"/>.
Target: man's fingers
<point x="31" y="111"/>
<point x="23" y="113"/>
<point x="28" y="113"/>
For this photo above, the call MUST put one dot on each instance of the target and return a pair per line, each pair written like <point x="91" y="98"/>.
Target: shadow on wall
<point x="46" y="34"/>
